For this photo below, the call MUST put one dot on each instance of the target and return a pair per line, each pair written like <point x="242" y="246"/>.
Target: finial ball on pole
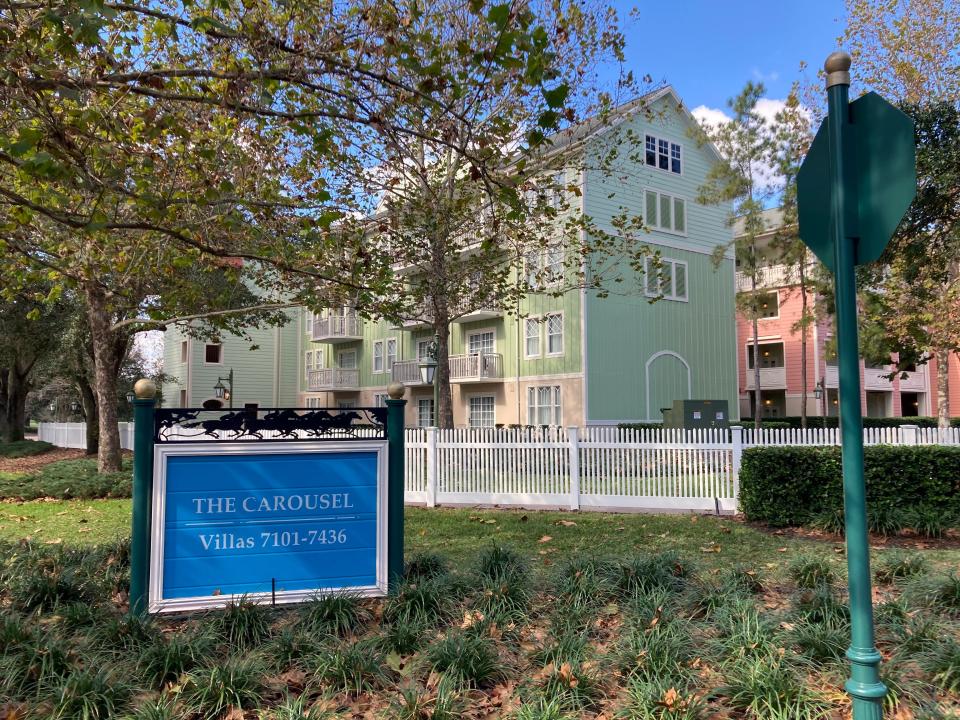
<point x="396" y="391"/>
<point x="145" y="389"/>
<point x="837" y="67"/>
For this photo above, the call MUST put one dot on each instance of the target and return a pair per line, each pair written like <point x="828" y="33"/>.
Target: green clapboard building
<point x="579" y="359"/>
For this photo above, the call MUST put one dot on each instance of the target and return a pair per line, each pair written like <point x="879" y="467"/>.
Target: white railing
<point x="877" y="379"/>
<point x="593" y="468"/>
<point x="771" y="276"/>
<point x="74" y="434"/>
<point x="333" y="378"/>
<point x="406" y="372"/>
<point x="770" y="377"/>
<point x="484" y="366"/>
<point x="336" y="326"/>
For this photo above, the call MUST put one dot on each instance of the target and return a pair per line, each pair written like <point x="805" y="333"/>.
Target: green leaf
<point x="557" y="96"/>
<point x="499" y="15"/>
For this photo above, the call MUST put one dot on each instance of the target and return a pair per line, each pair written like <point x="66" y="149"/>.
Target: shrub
<point x="655" y="699"/>
<point x="644" y="573"/>
<point x="237" y="681"/>
<point x="24" y="448"/>
<point x="821" y="641"/>
<point x="90" y="694"/>
<point x="792" y="485"/>
<point x="424" y="566"/>
<point x="466" y="660"/>
<point x="898" y="565"/>
<point x="942" y="663"/>
<point x="243" y="624"/>
<point x="337" y="613"/>
<point x="766" y="686"/>
<point x="353" y="669"/>
<point x="809" y="572"/>
<point x="929" y="521"/>
<point x="868" y="422"/>
<point x="69" y="479"/>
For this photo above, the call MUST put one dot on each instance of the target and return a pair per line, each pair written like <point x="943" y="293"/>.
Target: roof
<point x="772" y="220"/>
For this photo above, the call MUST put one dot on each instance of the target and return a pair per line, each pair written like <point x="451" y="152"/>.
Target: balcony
<point x="406" y="372"/>
<point x="337" y="329"/>
<point x="773" y="378"/>
<point x="333" y="379"/>
<point x="485" y="367"/>
<point x="875" y="379"/>
<point x="915" y="381"/>
<point x="482" y="314"/>
<point x="772" y="276"/>
<point x="831" y="377"/>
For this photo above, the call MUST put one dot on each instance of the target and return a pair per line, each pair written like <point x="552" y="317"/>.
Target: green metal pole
<point x="395" y="483"/>
<point x="145" y="397"/>
<point x="864" y="684"/>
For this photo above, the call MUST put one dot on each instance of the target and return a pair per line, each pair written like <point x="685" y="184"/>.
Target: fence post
<point x="910" y="434"/>
<point x="574" y="468"/>
<point x="432" y="457"/>
<point x="145" y="392"/>
<point x="396" y="479"/>
<point x="736" y="437"/>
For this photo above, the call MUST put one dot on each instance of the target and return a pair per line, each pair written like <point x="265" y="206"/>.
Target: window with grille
<point x="391" y="352"/>
<point x="425" y="412"/>
<point x="669" y="280"/>
<point x="482" y="411"/>
<point x="665" y="212"/>
<point x="347" y="359"/>
<point x="532" y="337"/>
<point x="543" y="405"/>
<point x="480" y="342"/>
<point x="663" y="154"/>
<point x="378" y="356"/>
<point x="554" y="325"/>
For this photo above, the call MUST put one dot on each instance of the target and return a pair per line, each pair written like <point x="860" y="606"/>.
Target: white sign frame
<point x="162" y="451"/>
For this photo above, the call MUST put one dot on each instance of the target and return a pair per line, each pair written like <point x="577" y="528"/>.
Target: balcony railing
<point x="334" y="379"/>
<point x="481" y="314"/>
<point x="336" y="328"/>
<point x="771" y="276"/>
<point x="770" y="378"/>
<point x="915" y="381"/>
<point x="876" y="379"/>
<point x="406" y="372"/>
<point x="476" y="368"/>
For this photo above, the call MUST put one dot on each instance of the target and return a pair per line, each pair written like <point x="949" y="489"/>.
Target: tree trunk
<point x="3" y="403"/>
<point x="803" y="346"/>
<point x="16" y="410"/>
<point x="943" y="387"/>
<point x="105" y="380"/>
<point x="88" y="402"/>
<point x="444" y="413"/>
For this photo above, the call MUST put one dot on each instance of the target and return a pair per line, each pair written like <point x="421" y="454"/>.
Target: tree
<point x="747" y="146"/>
<point x="792" y="137"/>
<point x="28" y="334"/>
<point x="139" y="141"/>
<point x="909" y="51"/>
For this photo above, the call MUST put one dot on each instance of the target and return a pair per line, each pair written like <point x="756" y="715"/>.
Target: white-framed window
<point x="543" y="405"/>
<point x="213" y="354"/>
<point x="531" y="335"/>
<point x="380" y="399"/>
<point x="482" y="341"/>
<point x="768" y="305"/>
<point x="482" y="411"/>
<point x="347" y="359"/>
<point x="307" y="363"/>
<point x="184" y="351"/>
<point x="313" y="402"/>
<point x="346" y="404"/>
<point x="391" y="353"/>
<point x="183" y="398"/>
<point x="665" y="212"/>
<point x="669" y="280"/>
<point x="664" y="154"/>
<point x="544" y="267"/>
<point x="559" y="190"/>
<point x="425" y="412"/>
<point x="554" y="325"/>
<point x="378" y="356"/>
<point x="423" y="349"/>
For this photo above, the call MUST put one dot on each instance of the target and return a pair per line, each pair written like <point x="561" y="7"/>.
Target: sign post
<point x="145" y="392"/>
<point x="853" y="188"/>
<point x="395" y="481"/>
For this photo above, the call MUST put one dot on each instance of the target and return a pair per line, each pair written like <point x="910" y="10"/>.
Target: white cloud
<point x="710" y="116"/>
<point x="760" y="76"/>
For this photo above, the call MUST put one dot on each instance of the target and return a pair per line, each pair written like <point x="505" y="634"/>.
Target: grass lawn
<point x="503" y="614"/>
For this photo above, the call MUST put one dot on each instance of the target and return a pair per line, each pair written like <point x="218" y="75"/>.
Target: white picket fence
<point x="74" y="434"/>
<point x="592" y="468"/>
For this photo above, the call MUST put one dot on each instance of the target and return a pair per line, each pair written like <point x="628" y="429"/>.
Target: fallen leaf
<point x="546" y="539"/>
<point x="565" y="523"/>
<point x="54" y="541"/>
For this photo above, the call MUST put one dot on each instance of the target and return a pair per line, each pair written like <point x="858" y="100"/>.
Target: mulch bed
<point x="35" y="462"/>
<point x="907" y="539"/>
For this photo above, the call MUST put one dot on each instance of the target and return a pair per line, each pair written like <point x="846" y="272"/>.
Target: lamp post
<point x="225" y="391"/>
<point x="428" y="373"/>
<point x="819" y="391"/>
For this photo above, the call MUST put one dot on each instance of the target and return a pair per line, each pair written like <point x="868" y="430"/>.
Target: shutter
<point x="666" y="278"/>
<point x="681" y="280"/>
<point x="679" y="215"/>
<point x="651" y="214"/>
<point x="665" y="212"/>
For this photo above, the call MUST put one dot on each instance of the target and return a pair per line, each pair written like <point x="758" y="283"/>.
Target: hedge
<point x="818" y="421"/>
<point x="784" y="486"/>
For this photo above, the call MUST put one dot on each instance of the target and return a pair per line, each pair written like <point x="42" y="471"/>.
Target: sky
<point x="708" y="49"/>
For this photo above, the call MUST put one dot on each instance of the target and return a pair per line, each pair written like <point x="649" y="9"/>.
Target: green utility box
<point x="689" y="414"/>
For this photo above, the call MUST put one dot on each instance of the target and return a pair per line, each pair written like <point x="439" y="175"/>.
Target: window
<point x="481" y="411"/>
<point x="669" y="280"/>
<point x="480" y="342"/>
<point x="213" y="354"/>
<point x="558" y="192"/>
<point x="380" y="399"/>
<point x="544" y="267"/>
<point x="346" y="404"/>
<point x="347" y="359"/>
<point x="532" y="337"/>
<point x="313" y="402"/>
<point x="378" y="356"/>
<point x="771" y="355"/>
<point x="184" y="351"/>
<point x="554" y="325"/>
<point x="665" y="212"/>
<point x="425" y="412"/>
<point x="183" y="398"/>
<point x="308" y="363"/>
<point x="391" y="352"/>
<point x="663" y="154"/>
<point x="543" y="405"/>
<point x="423" y="349"/>
<point x="768" y="306"/>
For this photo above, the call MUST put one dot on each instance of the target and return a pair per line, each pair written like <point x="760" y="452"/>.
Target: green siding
<point x="624" y="331"/>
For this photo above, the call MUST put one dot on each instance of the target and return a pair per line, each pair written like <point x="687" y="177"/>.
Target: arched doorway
<point x="667" y="379"/>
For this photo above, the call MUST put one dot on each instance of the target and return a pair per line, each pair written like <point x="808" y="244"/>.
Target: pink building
<point x="780" y="358"/>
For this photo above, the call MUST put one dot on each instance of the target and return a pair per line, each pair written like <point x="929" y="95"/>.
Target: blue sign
<point x="270" y="522"/>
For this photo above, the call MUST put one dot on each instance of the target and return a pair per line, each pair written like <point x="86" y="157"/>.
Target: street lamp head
<point x="220" y="390"/>
<point x="130" y="396"/>
<point x="818" y="390"/>
<point x="428" y="369"/>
